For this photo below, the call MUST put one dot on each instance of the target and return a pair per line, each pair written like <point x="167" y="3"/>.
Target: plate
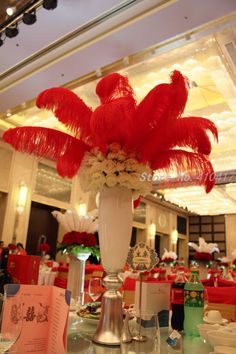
<point x="91" y="321"/>
<point x="225" y="350"/>
<point x="88" y="312"/>
<point x="223" y="321"/>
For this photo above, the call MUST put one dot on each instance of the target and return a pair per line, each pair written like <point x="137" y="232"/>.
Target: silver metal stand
<point x="139" y="337"/>
<point x="110" y="326"/>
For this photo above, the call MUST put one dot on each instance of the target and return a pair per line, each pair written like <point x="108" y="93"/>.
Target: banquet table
<point x="80" y="341"/>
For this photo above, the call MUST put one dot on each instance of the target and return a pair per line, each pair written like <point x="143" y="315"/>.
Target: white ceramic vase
<point x="115" y="227"/>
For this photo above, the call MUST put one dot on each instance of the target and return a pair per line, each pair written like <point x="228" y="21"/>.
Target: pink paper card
<point x="45" y="312"/>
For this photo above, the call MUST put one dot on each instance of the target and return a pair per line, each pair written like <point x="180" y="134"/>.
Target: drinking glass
<point x="95" y="288"/>
<point x="145" y="332"/>
<point x="11" y="320"/>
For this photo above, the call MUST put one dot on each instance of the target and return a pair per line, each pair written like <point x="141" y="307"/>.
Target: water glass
<point x="95" y="288"/>
<point x="145" y="332"/>
<point x="11" y="320"/>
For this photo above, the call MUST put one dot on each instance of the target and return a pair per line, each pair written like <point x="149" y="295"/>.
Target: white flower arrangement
<point x="79" y="237"/>
<point x="116" y="168"/>
<point x="234" y="254"/>
<point x="204" y="247"/>
<point x="168" y="256"/>
<point x="224" y="260"/>
<point x="71" y="221"/>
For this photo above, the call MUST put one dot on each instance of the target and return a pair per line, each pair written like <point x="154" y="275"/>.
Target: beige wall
<point x="22" y="168"/>
<point x="230" y="231"/>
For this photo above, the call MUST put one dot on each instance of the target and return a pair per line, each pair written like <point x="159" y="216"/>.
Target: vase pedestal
<point x="76" y="276"/>
<point x="111" y="321"/>
<point x="114" y="226"/>
<point x="203" y="270"/>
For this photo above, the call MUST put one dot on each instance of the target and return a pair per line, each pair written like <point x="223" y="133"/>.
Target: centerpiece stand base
<point x="140" y="338"/>
<point x="110" y="326"/>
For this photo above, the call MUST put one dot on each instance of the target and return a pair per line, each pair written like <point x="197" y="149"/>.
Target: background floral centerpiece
<point x="168" y="256"/>
<point x="234" y="258"/>
<point x="204" y="250"/>
<point x="223" y="262"/>
<point x="167" y="260"/>
<point x="44" y="247"/>
<point x="79" y="242"/>
<point x="79" y="237"/>
<point x="203" y="255"/>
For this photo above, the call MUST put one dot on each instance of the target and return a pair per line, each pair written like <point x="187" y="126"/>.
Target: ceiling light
<point x="8" y="114"/>
<point x="29" y="18"/>
<point x="10" y="10"/>
<point x="11" y="31"/>
<point x="50" y="4"/>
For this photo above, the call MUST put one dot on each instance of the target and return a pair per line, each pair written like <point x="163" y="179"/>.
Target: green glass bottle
<point x="193" y="304"/>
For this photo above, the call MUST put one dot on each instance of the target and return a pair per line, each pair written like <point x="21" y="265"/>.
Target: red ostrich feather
<point x="68" y="108"/>
<point x="49" y="143"/>
<point x="153" y="130"/>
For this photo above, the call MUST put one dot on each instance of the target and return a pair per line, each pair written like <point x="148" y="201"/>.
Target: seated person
<point x="20" y="249"/>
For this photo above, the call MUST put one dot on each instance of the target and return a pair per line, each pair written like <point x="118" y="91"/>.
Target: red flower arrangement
<point x="80" y="238"/>
<point x="168" y="260"/>
<point x="44" y="247"/>
<point x="76" y="242"/>
<point x="11" y="247"/>
<point x="223" y="262"/>
<point x="202" y="256"/>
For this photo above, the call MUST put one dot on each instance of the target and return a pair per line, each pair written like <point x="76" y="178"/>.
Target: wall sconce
<point x="22" y="197"/>
<point x="82" y="209"/>
<point x="152" y="230"/>
<point x="174" y="236"/>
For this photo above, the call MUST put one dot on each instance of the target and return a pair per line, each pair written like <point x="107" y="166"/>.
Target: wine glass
<point x="145" y="331"/>
<point x="95" y="288"/>
<point x="11" y="320"/>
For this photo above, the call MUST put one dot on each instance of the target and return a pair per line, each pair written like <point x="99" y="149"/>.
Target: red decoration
<point x="80" y="238"/>
<point x="150" y="130"/>
<point x="202" y="256"/>
<point x="167" y="260"/>
<point x="11" y="247"/>
<point x="136" y="202"/>
<point x="234" y="261"/>
<point x="44" y="247"/>
<point x="223" y="264"/>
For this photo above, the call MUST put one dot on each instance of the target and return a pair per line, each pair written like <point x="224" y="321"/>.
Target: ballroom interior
<point x="74" y="46"/>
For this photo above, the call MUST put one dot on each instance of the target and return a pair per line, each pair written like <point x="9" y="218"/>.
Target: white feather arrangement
<point x="168" y="256"/>
<point x="204" y="247"/>
<point x="72" y="221"/>
<point x="234" y="254"/>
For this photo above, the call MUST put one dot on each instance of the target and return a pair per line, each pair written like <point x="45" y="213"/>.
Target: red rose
<point x="202" y="256"/>
<point x="44" y="247"/>
<point x="70" y="238"/>
<point x="11" y="247"/>
<point x="168" y="260"/>
<point x="79" y="238"/>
